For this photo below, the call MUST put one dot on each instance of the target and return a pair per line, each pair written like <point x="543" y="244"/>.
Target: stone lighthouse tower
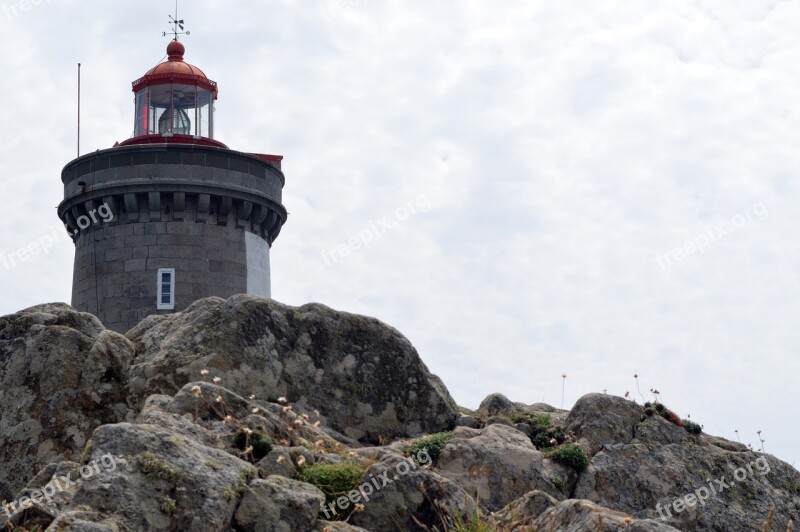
<point x="170" y="215"/>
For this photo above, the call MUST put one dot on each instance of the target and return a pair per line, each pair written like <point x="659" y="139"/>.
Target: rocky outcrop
<point x="642" y="465"/>
<point x="600" y="419"/>
<point x="61" y="376"/>
<point x="520" y="514"/>
<point x="250" y="415"/>
<point x="496" y="404"/>
<point x="576" y="515"/>
<point x="364" y="377"/>
<point x="712" y="485"/>
<point x="496" y="407"/>
<point x="499" y="464"/>
<point x="410" y="499"/>
<point x="278" y="504"/>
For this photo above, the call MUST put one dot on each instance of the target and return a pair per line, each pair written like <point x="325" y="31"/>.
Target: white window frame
<point x="171" y="304"/>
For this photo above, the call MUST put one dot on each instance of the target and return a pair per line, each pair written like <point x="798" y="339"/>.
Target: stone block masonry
<point x="209" y="213"/>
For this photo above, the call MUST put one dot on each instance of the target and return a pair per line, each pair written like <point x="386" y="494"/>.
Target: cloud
<point x="562" y="145"/>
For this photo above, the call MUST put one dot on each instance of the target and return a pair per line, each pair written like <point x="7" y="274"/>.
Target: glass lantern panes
<point x="174" y="109"/>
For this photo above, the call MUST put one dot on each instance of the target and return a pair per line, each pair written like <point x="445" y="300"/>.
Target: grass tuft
<point x="570" y="455"/>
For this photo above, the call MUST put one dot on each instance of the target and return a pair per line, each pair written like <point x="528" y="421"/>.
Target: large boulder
<point x="643" y="464"/>
<point x="498" y="406"/>
<point x="278" y="504"/>
<point x="179" y="468"/>
<point x="61" y="376"/>
<point x="520" y="514"/>
<point x="578" y="516"/>
<point x="83" y="521"/>
<point x="715" y="488"/>
<point x="161" y="480"/>
<point x="500" y="464"/>
<point x="364" y="377"/>
<point x="599" y="419"/>
<point x="407" y="497"/>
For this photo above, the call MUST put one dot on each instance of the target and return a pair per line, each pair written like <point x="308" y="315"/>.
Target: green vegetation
<point x="532" y="419"/>
<point x="87" y="452"/>
<point x="431" y="444"/>
<point x="334" y="480"/>
<point x="235" y="490"/>
<point x="692" y="427"/>
<point x="156" y="468"/>
<point x="168" y="506"/>
<point x="570" y="455"/>
<point x="659" y="408"/>
<point x="474" y="523"/>
<point x="544" y="434"/>
<point x="548" y="437"/>
<point x="255" y="438"/>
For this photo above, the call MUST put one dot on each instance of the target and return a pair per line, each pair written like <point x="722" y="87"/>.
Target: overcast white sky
<point x="555" y="153"/>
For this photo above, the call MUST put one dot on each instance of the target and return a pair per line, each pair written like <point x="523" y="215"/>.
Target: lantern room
<point x="174" y="102"/>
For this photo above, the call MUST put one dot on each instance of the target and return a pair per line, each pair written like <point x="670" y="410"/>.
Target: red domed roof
<point x="174" y="69"/>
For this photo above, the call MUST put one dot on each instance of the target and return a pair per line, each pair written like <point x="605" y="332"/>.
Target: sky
<point x="524" y="189"/>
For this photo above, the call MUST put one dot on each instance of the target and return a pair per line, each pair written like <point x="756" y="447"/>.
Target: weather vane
<point x="176" y="24"/>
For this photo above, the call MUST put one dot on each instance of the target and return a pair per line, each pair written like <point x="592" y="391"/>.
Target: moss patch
<point x="156" y="468"/>
<point x="432" y="445"/>
<point x="334" y="480"/>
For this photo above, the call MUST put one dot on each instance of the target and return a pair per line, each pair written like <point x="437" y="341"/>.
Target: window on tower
<point x="166" y="289"/>
<point x="174" y="109"/>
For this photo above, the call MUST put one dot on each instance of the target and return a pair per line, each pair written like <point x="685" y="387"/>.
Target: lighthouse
<point x="170" y="215"/>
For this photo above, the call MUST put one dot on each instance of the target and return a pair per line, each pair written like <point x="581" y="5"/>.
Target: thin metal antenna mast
<point x="79" y="109"/>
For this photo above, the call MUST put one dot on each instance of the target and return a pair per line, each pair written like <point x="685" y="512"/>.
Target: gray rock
<point x="211" y="404"/>
<point x="162" y="480"/>
<point x="61" y="376"/>
<point x="499" y="464"/>
<point x="277" y="462"/>
<point x="34" y="516"/>
<point x="468" y="421"/>
<point x="156" y="411"/>
<point x="337" y="526"/>
<point x="329" y="458"/>
<point x="599" y="419"/>
<point x="544" y="407"/>
<point x="364" y="376"/>
<point x="520" y="514"/>
<point x="377" y="454"/>
<point x="578" y="516"/>
<point x="278" y="504"/>
<point x="642" y="479"/>
<point x="498" y="420"/>
<point x="301" y="455"/>
<point x="526" y="428"/>
<point x="496" y="404"/>
<point x="408" y="496"/>
<point x="54" y="480"/>
<point x="83" y="521"/>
